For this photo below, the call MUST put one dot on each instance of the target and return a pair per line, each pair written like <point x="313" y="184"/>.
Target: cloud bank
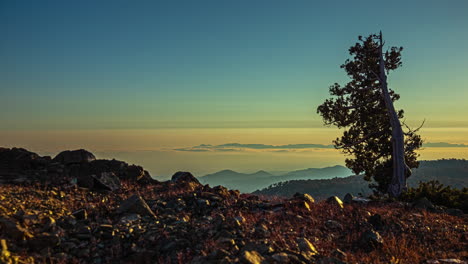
<point x="230" y="147"/>
<point x="236" y="147"/>
<point x="444" y="145"/>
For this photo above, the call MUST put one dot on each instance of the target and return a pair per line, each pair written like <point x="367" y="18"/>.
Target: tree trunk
<point x="398" y="183"/>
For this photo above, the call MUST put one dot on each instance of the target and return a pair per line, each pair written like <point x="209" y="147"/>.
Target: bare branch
<point x="414" y="130"/>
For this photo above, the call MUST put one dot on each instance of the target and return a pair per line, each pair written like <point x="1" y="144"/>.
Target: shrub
<point x="439" y="194"/>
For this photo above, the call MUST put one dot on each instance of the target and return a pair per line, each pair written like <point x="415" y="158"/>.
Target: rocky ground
<point x="76" y="209"/>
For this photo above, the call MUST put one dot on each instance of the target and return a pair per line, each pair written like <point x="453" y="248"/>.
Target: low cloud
<point x="191" y="149"/>
<point x="238" y="147"/>
<point x="229" y="147"/>
<point x="444" y="145"/>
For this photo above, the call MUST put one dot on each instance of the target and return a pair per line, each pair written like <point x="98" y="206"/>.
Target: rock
<point x="239" y="220"/>
<point x="283" y="258"/>
<point x="423" y="203"/>
<point x="261" y="231"/>
<point x="44" y="240"/>
<point x="185" y="180"/>
<point x="454" y="212"/>
<point x="80" y="214"/>
<point x="361" y="200"/>
<point x="334" y="200"/>
<point x="14" y="230"/>
<point x="221" y="191"/>
<point x="17" y="165"/>
<point x="203" y="203"/>
<point x="137" y="173"/>
<point x="49" y="224"/>
<point x="83" y="232"/>
<point x="79" y="156"/>
<point x="251" y="257"/>
<point x="337" y="253"/>
<point x="106" y="231"/>
<point x="305" y="197"/>
<point x="446" y="261"/>
<point x="328" y="260"/>
<point x="136" y="205"/>
<point x="371" y="240"/>
<point x="332" y="224"/>
<point x="376" y="221"/>
<point x="348" y="198"/>
<point x="306" y="247"/>
<point x="107" y="181"/>
<point x="442" y="261"/>
<point x="5" y="254"/>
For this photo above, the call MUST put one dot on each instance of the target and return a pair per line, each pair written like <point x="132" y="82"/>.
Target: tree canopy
<point x="359" y="108"/>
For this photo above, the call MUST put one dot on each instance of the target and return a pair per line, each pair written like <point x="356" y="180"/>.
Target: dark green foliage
<point x="439" y="194"/>
<point x="359" y="108"/>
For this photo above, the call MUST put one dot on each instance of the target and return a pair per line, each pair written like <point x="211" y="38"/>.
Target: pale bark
<point x="398" y="183"/>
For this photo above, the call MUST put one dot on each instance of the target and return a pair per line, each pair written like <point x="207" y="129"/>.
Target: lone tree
<point x="364" y="108"/>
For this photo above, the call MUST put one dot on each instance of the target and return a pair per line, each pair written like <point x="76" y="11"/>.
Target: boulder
<point x="454" y="212"/>
<point x="106" y="181"/>
<point x="80" y="214"/>
<point x="135" y="205"/>
<point x="376" y="221"/>
<point x="13" y="230"/>
<point x="332" y="224"/>
<point x="44" y="240"/>
<point x="334" y="200"/>
<point x="371" y="240"/>
<point x="79" y="156"/>
<point x="305" y="197"/>
<point x="17" y="165"/>
<point x="251" y="257"/>
<point x="348" y="198"/>
<point x="306" y="247"/>
<point x="185" y="180"/>
<point x="423" y="203"/>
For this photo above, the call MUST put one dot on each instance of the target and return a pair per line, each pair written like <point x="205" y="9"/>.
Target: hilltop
<point x="249" y="182"/>
<point x="451" y="172"/>
<point x="75" y="208"/>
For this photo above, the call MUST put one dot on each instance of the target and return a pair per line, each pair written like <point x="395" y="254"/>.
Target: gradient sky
<point x="127" y="66"/>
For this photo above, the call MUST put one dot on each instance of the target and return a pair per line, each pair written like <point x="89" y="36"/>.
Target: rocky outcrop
<point x="18" y="165"/>
<point x="79" y="156"/>
<point x="185" y="180"/>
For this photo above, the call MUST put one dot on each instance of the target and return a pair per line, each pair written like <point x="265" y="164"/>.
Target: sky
<point x="139" y="80"/>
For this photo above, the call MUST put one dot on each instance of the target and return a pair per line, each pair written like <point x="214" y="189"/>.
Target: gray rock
<point x="332" y="224"/>
<point x="183" y="176"/>
<point x="334" y="200"/>
<point x="44" y="241"/>
<point x="306" y="247"/>
<point x="136" y="205"/>
<point x="423" y="203"/>
<point x="251" y="257"/>
<point x="304" y="196"/>
<point x="106" y="181"/>
<point x="80" y="214"/>
<point x="14" y="230"/>
<point x="371" y="240"/>
<point x="348" y="198"/>
<point x="74" y="157"/>
<point x="454" y="212"/>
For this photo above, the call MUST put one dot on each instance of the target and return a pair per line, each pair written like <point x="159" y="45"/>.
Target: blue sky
<point x="106" y="75"/>
<point x="150" y="64"/>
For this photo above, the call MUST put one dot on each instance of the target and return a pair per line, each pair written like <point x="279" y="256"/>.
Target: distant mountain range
<point x="246" y="182"/>
<point x="449" y="172"/>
